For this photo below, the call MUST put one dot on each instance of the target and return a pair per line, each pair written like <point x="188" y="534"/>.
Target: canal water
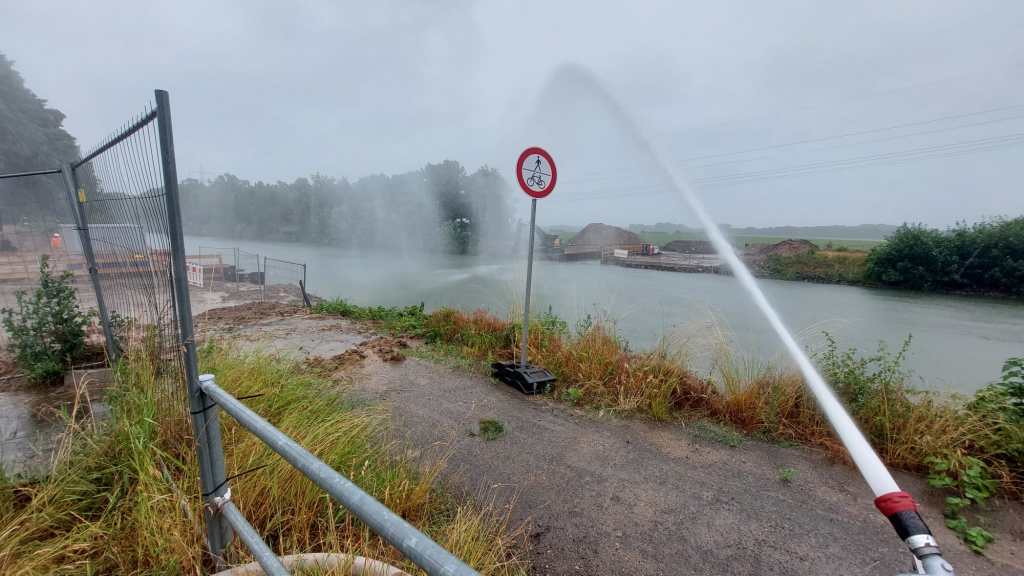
<point x="958" y="345"/>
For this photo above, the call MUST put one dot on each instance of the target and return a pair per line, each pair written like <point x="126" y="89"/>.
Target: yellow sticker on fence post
<point x="81" y="195"/>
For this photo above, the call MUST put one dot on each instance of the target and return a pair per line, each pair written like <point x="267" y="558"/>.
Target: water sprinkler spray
<point x="898" y="506"/>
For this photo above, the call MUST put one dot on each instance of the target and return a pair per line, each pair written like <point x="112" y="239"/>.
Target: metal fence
<point x="125" y="236"/>
<point x="234" y="268"/>
<point x="33" y="209"/>
<point x="284" y="281"/>
<point x="123" y="219"/>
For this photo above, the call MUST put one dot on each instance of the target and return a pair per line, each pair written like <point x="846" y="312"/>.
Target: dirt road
<point x="609" y="495"/>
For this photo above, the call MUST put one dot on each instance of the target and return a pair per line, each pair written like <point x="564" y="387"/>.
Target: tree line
<point x="32" y="138"/>
<point x="986" y="257"/>
<point x="439" y="207"/>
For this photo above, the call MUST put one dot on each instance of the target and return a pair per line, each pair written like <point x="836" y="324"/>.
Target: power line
<point x="883" y="139"/>
<point x="854" y="133"/>
<point x="600" y="178"/>
<point x="980" y="144"/>
<point x="920" y="153"/>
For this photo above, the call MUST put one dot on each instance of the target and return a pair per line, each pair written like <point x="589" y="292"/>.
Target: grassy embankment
<point x="123" y="495"/>
<point x="822" y="266"/>
<point x="973" y="448"/>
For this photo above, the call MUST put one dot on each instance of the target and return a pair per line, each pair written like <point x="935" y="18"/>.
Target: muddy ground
<point x="600" y="494"/>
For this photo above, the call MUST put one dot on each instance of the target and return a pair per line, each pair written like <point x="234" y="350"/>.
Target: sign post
<point x="537" y="175"/>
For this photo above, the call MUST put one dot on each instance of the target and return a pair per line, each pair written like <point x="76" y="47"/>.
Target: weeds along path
<point x="608" y="495"/>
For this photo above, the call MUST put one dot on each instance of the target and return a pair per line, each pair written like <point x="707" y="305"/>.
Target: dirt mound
<point x="337" y="362"/>
<point x="249" y="312"/>
<point x="387" y="348"/>
<point x="689" y="247"/>
<point x="603" y="235"/>
<point x="788" y="247"/>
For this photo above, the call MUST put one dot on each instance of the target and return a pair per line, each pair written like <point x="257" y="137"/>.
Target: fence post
<point x="205" y="425"/>
<point x="236" y="269"/>
<point x="77" y="200"/>
<point x="302" y="285"/>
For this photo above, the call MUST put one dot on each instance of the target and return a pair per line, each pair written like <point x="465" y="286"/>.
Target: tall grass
<point x="124" y="499"/>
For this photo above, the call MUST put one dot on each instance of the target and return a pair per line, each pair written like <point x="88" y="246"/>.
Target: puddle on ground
<point x="31" y="424"/>
<point x="26" y="441"/>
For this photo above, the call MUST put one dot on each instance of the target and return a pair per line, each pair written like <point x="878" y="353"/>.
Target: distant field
<point x="661" y="238"/>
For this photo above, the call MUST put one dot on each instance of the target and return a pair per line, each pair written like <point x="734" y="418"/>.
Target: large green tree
<point x="31" y="138"/>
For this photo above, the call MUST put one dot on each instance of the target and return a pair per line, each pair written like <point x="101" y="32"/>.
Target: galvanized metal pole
<point x="77" y="200"/>
<point x="415" y="545"/>
<point x="261" y="553"/>
<point x="236" y="269"/>
<point x="205" y="426"/>
<point x="525" y="344"/>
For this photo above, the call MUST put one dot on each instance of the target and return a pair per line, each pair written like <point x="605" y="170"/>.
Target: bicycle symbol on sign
<point x="537" y="174"/>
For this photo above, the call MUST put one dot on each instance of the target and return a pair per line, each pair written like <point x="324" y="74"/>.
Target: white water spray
<point x="871" y="468"/>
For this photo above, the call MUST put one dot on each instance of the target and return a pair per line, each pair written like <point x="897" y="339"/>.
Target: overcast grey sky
<point x="277" y="90"/>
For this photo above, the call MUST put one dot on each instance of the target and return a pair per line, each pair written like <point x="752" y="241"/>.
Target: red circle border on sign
<point x="519" y="172"/>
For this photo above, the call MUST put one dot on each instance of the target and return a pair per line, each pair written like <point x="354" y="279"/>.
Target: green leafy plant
<point x="491" y="429"/>
<point x="971" y="479"/>
<point x="47" y="330"/>
<point x="787" y="474"/>
<point x="552" y="323"/>
<point x="407" y="320"/>
<point x="572" y="395"/>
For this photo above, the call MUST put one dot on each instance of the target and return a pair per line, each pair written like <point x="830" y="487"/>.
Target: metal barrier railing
<point x="415" y="545"/>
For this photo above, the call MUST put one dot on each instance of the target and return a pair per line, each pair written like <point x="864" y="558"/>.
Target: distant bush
<point x="47" y="331"/>
<point x="984" y="257"/>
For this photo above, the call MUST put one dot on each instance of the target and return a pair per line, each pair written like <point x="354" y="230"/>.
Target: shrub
<point x="986" y="257"/>
<point x="999" y="409"/>
<point x="47" y="331"/>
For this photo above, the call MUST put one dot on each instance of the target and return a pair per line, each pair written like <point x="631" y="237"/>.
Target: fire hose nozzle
<point x="901" y="510"/>
<point x="931" y="565"/>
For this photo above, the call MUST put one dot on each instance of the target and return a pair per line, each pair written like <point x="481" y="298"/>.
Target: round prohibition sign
<point x="536" y="172"/>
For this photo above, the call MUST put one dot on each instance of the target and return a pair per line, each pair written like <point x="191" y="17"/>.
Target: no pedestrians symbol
<point x="536" y="172"/>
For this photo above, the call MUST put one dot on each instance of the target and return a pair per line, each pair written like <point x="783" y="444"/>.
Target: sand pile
<point x="788" y="247"/>
<point x="603" y="235"/>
